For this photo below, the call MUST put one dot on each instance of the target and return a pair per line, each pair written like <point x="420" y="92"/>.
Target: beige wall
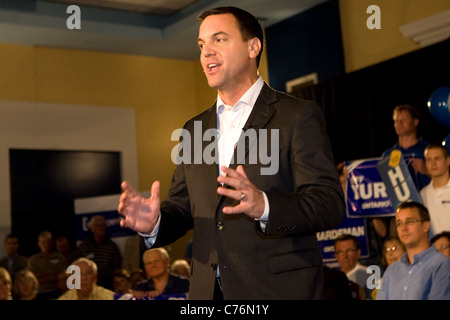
<point x="162" y="93"/>
<point x="364" y="47"/>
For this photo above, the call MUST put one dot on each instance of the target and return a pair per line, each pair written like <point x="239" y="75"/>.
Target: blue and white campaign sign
<point x="366" y="193"/>
<point x="354" y="226"/>
<point x="399" y="183"/>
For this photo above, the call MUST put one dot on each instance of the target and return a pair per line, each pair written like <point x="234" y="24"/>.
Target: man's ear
<point x="254" y="46"/>
<point x="426" y="226"/>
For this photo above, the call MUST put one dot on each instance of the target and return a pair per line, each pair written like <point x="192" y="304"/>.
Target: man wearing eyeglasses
<point x="347" y="251"/>
<point x="422" y="273"/>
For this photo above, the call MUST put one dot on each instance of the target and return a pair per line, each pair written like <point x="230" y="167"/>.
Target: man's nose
<point x="207" y="50"/>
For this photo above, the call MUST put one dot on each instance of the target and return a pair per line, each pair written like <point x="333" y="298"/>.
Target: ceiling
<point x="158" y="28"/>
<point x="154" y="7"/>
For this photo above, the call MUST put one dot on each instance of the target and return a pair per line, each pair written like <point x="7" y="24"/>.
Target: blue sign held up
<point x="366" y="193"/>
<point x="397" y="179"/>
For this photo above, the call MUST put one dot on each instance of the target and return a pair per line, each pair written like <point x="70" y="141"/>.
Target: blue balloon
<point x="446" y="143"/>
<point x="438" y="105"/>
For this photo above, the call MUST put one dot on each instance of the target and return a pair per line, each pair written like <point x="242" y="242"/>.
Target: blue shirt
<point x="416" y="151"/>
<point x="427" y="278"/>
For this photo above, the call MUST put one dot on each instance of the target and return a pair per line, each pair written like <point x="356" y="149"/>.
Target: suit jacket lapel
<point x="210" y="123"/>
<point x="259" y="117"/>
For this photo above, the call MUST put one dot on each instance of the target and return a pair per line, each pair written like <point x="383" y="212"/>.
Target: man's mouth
<point x="212" y="66"/>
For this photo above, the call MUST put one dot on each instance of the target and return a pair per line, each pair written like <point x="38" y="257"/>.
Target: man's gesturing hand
<point x="139" y="213"/>
<point x="251" y="199"/>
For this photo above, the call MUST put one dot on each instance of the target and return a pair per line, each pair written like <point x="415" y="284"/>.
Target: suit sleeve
<point x="316" y="202"/>
<point x="176" y="219"/>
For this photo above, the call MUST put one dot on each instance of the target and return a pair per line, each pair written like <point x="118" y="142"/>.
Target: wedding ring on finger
<point x="242" y="196"/>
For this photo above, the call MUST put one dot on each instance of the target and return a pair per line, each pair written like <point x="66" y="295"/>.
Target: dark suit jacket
<point x="305" y="196"/>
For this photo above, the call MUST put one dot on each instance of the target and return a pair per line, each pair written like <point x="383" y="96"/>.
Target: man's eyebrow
<point x="214" y="35"/>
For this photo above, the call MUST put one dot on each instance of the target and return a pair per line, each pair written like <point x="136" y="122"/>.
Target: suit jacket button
<point x="220" y="226"/>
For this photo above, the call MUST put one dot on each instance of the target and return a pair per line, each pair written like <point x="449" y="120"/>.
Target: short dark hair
<point x="11" y="236"/>
<point x="423" y="211"/>
<point x="345" y="237"/>
<point x="443" y="234"/>
<point x="123" y="273"/>
<point x="435" y="145"/>
<point x="249" y="25"/>
<point x="413" y="111"/>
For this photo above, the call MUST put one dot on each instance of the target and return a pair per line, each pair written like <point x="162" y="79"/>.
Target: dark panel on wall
<point x="44" y="184"/>
<point x="308" y="42"/>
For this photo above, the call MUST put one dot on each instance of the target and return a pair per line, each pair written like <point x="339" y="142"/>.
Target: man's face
<point x="437" y="163"/>
<point x="98" y="227"/>
<point x="404" y="123"/>
<point x="45" y="243"/>
<point x="410" y="228"/>
<point x="347" y="254"/>
<point x="155" y="265"/>
<point x="225" y="56"/>
<point x="87" y="278"/>
<point x="11" y="246"/>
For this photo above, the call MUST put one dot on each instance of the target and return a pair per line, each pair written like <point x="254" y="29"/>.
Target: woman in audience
<point x="5" y="284"/>
<point x="26" y="285"/>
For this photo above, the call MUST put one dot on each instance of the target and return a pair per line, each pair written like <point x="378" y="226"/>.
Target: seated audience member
<point x="337" y="285"/>
<point x="5" y="285"/>
<point x="26" y="285"/>
<point x="161" y="284"/>
<point x="62" y="246"/>
<point x="422" y="273"/>
<point x="122" y="285"/>
<point x="89" y="290"/>
<point x="436" y="195"/>
<point x="442" y="242"/>
<point x="393" y="250"/>
<point x="13" y="261"/>
<point x="181" y="268"/>
<point x="46" y="265"/>
<point x="102" y="250"/>
<point x="137" y="276"/>
<point x="347" y="251"/>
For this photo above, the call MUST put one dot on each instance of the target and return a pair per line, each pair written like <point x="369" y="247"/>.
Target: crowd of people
<point x="414" y="259"/>
<point x="99" y="274"/>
